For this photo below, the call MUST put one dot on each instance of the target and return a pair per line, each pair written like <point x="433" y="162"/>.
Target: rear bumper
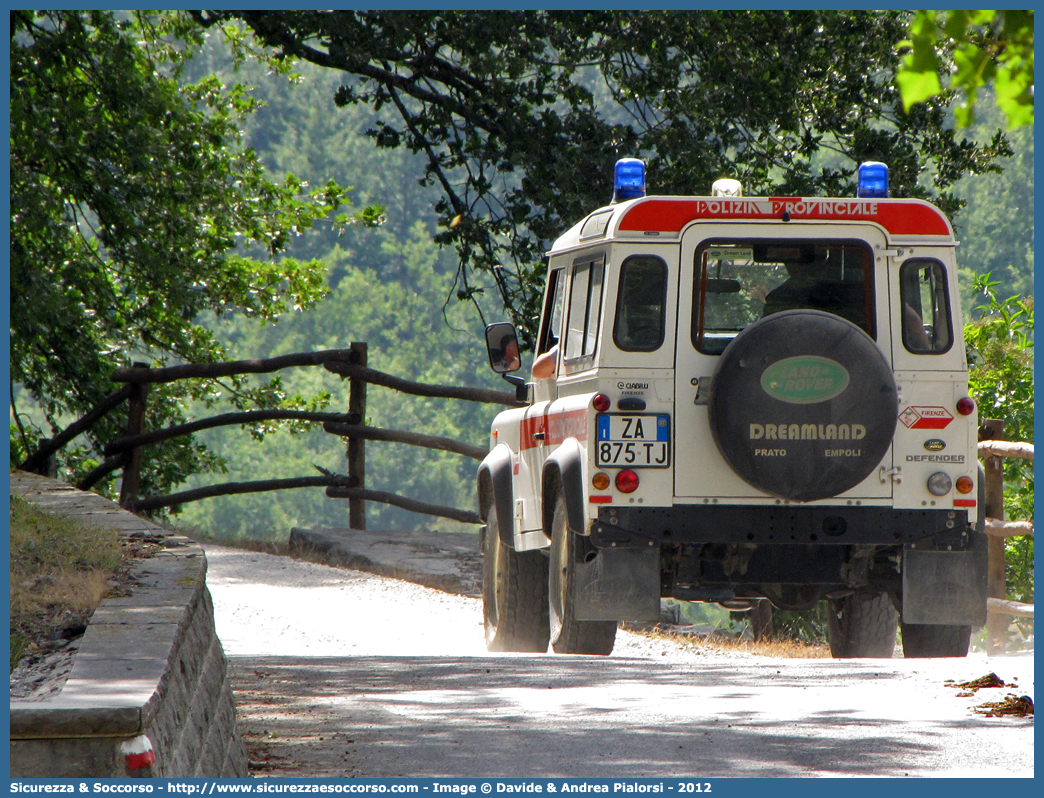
<point x="627" y="527"/>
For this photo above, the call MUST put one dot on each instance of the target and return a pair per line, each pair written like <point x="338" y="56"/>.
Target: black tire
<point x="862" y="625"/>
<point x="935" y="640"/>
<point x="514" y="595"/>
<point x="569" y="635"/>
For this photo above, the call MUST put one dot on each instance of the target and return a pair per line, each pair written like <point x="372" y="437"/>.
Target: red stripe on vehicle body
<point x="556" y="427"/>
<point x="532" y="426"/>
<point x="567" y="424"/>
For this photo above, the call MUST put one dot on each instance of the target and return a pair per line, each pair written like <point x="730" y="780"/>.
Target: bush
<point x="1000" y="357"/>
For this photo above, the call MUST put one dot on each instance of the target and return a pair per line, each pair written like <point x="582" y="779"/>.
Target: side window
<point x="926" y="307"/>
<point x="585" y="310"/>
<point x="553" y="311"/>
<point x="641" y="304"/>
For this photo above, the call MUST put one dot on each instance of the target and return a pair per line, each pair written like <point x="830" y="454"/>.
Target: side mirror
<point x="502" y="346"/>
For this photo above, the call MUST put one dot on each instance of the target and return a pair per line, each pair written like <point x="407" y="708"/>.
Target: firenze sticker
<point x="926" y="417"/>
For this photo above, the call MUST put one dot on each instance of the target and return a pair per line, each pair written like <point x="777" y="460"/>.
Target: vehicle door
<point x="573" y="320"/>
<point x="931" y="369"/>
<point x="727" y="274"/>
<point x="533" y="434"/>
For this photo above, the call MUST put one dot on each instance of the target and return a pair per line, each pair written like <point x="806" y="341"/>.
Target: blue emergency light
<point x="872" y="180"/>
<point x="628" y="179"/>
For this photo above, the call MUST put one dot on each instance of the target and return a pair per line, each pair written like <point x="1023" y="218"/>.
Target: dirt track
<point x="341" y="673"/>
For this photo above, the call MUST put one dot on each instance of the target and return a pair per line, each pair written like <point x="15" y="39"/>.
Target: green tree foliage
<point x="519" y="116"/>
<point x="388" y="286"/>
<point x="396" y="306"/>
<point x="1001" y="381"/>
<point x="983" y="47"/>
<point x="995" y="228"/>
<point x="135" y="209"/>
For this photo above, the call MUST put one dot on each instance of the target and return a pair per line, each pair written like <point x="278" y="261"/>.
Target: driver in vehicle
<point x="509" y="358"/>
<point x="811" y="285"/>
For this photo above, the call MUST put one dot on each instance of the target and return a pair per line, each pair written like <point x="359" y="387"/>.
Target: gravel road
<point x="270" y="606"/>
<point x="341" y="673"/>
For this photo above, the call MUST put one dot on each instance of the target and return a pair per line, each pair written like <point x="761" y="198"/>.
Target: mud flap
<point x="618" y="585"/>
<point x="944" y="587"/>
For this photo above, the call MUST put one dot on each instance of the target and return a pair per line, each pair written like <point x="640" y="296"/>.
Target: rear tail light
<point x="965" y="484"/>
<point x="939" y="483"/>
<point x="600" y="480"/>
<point x="627" y="481"/>
<point x="601" y="402"/>
<point x="965" y="406"/>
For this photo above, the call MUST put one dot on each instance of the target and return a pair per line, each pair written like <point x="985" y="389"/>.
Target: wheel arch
<point x="495" y="491"/>
<point x="563" y="471"/>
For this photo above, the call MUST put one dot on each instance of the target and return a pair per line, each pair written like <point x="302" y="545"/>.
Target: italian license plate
<point x="641" y="441"/>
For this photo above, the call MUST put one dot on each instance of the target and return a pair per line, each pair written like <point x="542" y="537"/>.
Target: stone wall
<point x="148" y="694"/>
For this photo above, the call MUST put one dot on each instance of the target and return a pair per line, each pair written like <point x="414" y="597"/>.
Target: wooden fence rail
<point x="126" y="452"/>
<point x="34" y="462"/>
<point x="351" y="363"/>
<point x="992" y="451"/>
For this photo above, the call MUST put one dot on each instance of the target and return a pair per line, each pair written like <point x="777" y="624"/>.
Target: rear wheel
<point x="569" y="635"/>
<point x="935" y="640"/>
<point x="514" y="595"/>
<point x="862" y="625"/>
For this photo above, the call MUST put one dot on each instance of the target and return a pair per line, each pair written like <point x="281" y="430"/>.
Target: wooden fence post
<point x="131" y="482"/>
<point x="761" y="619"/>
<point x="996" y="584"/>
<point x="49" y="468"/>
<point x="357" y="446"/>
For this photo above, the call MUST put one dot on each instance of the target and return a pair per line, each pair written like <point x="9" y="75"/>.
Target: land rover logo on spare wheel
<point x="804" y="379"/>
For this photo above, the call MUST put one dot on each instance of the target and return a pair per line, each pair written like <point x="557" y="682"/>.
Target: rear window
<point x="738" y="282"/>
<point x="926" y="307"/>
<point x="641" y="304"/>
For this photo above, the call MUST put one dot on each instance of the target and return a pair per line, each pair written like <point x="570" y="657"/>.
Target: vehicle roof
<point x="904" y="221"/>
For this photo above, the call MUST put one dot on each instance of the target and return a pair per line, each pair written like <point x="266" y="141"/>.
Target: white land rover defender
<point x="749" y="398"/>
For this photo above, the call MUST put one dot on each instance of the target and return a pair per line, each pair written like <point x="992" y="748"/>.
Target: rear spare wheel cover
<point x="803" y="405"/>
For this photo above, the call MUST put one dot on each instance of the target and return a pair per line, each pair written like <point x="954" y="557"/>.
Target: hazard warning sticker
<point x="926" y="417"/>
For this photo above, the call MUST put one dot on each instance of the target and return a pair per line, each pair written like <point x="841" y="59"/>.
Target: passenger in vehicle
<point x="914" y="335"/>
<point x="546" y="365"/>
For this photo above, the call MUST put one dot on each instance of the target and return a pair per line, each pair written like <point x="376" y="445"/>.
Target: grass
<point x="781" y="647"/>
<point x="60" y="571"/>
<point x="770" y="647"/>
